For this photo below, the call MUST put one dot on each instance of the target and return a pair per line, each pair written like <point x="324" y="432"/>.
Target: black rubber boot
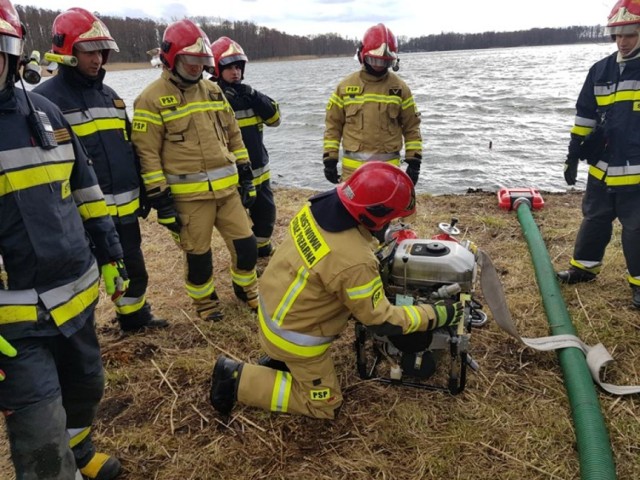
<point x="265" y="251"/>
<point x="224" y="384"/>
<point x="267" y="361"/>
<point x="250" y="299"/>
<point x="211" y="312"/>
<point x="94" y="465"/>
<point x="140" y="320"/>
<point x="575" y="275"/>
<point x="635" y="289"/>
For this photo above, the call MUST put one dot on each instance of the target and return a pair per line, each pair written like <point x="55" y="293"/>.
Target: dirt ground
<point x="513" y="420"/>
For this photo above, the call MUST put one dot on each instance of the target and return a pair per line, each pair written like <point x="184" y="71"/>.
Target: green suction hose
<point x="594" y="447"/>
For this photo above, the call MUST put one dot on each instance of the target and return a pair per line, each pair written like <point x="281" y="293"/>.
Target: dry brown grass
<point x="511" y="422"/>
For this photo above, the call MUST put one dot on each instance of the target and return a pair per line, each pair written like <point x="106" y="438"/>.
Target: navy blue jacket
<point x="610" y="96"/>
<point x="98" y="117"/>
<point x="53" y="220"/>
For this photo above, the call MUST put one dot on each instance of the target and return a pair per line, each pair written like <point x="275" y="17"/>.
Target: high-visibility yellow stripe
<point x="76" y="305"/>
<point x="100" y="124"/>
<point x="147" y="116"/>
<point x="124" y="210"/>
<point x="76" y="438"/>
<point x="300" y="350"/>
<point x="364" y="291"/>
<point x="128" y="308"/>
<point x="281" y="392"/>
<point x="414" y="318"/>
<point x="33" y="176"/>
<point x="618" y="181"/>
<point x="580" y="130"/>
<point x="293" y="291"/>
<point x="18" y="313"/>
<point x="93" y="210"/>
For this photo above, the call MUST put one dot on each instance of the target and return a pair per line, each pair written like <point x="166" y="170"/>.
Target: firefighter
<point x="606" y="134"/>
<point x="56" y="236"/>
<point x="371" y="112"/>
<point x="324" y="272"/>
<point x="192" y="158"/>
<point x="98" y="117"/>
<point x="253" y="111"/>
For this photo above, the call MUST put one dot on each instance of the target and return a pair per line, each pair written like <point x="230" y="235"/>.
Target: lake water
<point x="519" y="100"/>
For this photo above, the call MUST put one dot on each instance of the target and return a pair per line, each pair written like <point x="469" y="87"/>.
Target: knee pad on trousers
<point x="39" y="441"/>
<point x="200" y="267"/>
<point x="246" y="252"/>
<point x="81" y="400"/>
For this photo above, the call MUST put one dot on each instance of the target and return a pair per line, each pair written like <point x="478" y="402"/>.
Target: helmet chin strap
<point x="184" y="75"/>
<point x="5" y="71"/>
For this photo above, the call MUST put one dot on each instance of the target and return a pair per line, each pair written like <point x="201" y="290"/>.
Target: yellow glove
<point x="6" y="349"/>
<point x="116" y="279"/>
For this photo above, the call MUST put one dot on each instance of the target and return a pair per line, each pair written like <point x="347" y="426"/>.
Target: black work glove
<point x="167" y="215"/>
<point x="246" y="189"/>
<point x="331" y="171"/>
<point x="448" y="313"/>
<point x="244" y="90"/>
<point x="413" y="169"/>
<point x="571" y="170"/>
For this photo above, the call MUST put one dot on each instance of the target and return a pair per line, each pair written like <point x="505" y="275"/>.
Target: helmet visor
<point x="191" y="59"/>
<point x="11" y="45"/>
<point x="232" y="59"/>
<point x="95" y="45"/>
<point x="380" y="62"/>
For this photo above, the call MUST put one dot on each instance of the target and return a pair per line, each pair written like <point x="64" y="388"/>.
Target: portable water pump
<point x="413" y="271"/>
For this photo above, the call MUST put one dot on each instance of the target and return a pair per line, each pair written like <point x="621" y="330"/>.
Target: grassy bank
<point x="511" y="422"/>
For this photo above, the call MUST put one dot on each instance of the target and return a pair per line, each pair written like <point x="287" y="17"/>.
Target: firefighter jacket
<point x="610" y="99"/>
<point x="371" y="116"/>
<point x="316" y="281"/>
<point x="49" y="201"/>
<point x="98" y="117"/>
<point x="187" y="139"/>
<point x="253" y="113"/>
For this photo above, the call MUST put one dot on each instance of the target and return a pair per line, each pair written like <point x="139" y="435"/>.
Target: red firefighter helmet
<point x="187" y="39"/>
<point x="11" y="32"/>
<point x="225" y="52"/>
<point x="379" y="47"/>
<point x="376" y="193"/>
<point x="81" y="29"/>
<point x="624" y="18"/>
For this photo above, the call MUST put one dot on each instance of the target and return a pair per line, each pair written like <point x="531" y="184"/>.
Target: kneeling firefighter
<point x="324" y="273"/>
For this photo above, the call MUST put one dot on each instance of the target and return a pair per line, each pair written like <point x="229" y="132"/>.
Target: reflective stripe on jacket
<point x="372" y="115"/>
<point x="187" y="138"/>
<point x="611" y="96"/>
<point x="99" y="119"/>
<point x="316" y="281"/>
<point x="49" y="201"/>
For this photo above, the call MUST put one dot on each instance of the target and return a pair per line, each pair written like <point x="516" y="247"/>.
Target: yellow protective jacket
<point x="316" y="281"/>
<point x="372" y="116"/>
<point x="187" y="138"/>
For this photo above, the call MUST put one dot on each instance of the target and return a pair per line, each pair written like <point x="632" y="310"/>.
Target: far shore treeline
<point x="135" y="36"/>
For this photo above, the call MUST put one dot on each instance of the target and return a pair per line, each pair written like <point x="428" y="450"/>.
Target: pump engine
<point x="413" y="271"/>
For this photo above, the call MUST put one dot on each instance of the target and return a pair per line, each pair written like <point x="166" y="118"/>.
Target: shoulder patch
<point x="352" y="89"/>
<point x="119" y="103"/>
<point x="168" y="101"/>
<point x="62" y="135"/>
<point x="636" y="106"/>
<point x="138" y="126"/>
<point x="376" y="297"/>
<point x="395" y="92"/>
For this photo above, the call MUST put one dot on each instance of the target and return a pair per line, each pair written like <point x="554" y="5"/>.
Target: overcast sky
<point x="350" y="18"/>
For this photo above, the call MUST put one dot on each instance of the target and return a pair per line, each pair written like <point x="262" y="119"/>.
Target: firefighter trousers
<point x="263" y="216"/>
<point x="229" y="217"/>
<point x="600" y="207"/>
<point x="310" y="387"/>
<point x="52" y="386"/>
<point x="134" y="299"/>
